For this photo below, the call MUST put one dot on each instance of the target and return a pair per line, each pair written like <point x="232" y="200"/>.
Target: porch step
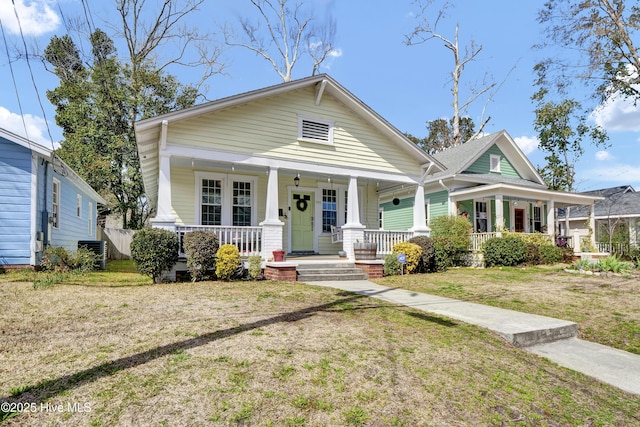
<point x="319" y="272"/>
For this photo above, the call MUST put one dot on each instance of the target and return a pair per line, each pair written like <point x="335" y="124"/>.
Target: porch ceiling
<point x="560" y="199"/>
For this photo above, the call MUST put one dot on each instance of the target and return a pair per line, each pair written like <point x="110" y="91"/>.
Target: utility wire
<point x="15" y="85"/>
<point x="44" y="114"/>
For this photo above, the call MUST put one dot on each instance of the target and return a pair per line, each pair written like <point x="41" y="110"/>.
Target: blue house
<point x="42" y="202"/>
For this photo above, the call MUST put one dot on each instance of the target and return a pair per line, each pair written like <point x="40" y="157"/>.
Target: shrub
<point x="532" y="254"/>
<point x="634" y="256"/>
<point x="200" y="247"/>
<point x="507" y="251"/>
<point x="535" y="238"/>
<point x="227" y="261"/>
<point x="255" y="266"/>
<point x="427" y="260"/>
<point x="391" y="265"/>
<point x="57" y="258"/>
<point x="413" y="254"/>
<point x="451" y="242"/>
<point x="613" y="264"/>
<point x="550" y="254"/>
<point x="154" y="250"/>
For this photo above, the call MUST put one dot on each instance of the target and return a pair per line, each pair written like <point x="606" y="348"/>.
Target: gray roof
<point x="456" y="158"/>
<point x="616" y="204"/>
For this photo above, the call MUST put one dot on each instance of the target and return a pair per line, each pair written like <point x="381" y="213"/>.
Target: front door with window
<point x="302" y="206"/>
<point x="518" y="220"/>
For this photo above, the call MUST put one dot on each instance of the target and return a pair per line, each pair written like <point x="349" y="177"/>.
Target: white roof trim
<point x="518" y="191"/>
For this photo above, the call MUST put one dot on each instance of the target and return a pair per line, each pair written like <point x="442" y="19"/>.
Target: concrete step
<point x="329" y="271"/>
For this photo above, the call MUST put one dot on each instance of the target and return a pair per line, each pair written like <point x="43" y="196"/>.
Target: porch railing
<point x="385" y="239"/>
<point x="247" y="239"/>
<point x="478" y="239"/>
<point x="618" y="249"/>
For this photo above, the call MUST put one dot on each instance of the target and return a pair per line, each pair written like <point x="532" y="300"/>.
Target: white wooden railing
<point x="478" y="239"/>
<point x="247" y="239"/>
<point x="385" y="239"/>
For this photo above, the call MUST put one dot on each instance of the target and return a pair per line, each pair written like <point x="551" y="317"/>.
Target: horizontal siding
<point x="482" y="165"/>
<point x="400" y="216"/>
<point x="270" y="128"/>
<point x="438" y="204"/>
<point x="15" y="203"/>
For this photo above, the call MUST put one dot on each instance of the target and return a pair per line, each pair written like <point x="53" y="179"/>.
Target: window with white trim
<point x="315" y="130"/>
<point x="226" y="199"/>
<point x="55" y="208"/>
<point x="494" y="161"/>
<point x="90" y="218"/>
<point x="537" y="219"/>
<point x="79" y="206"/>
<point x="329" y="209"/>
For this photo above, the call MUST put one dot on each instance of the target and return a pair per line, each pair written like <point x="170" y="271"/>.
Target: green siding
<point x="438" y="204"/>
<point x="398" y="217"/>
<point x="466" y="206"/>
<point x="483" y="165"/>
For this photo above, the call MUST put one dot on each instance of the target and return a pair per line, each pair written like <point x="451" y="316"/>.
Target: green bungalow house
<point x="308" y="168"/>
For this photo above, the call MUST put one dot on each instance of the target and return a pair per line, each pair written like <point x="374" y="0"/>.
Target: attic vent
<point x="315" y="130"/>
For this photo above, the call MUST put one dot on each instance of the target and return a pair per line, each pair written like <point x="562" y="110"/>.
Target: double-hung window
<point x="329" y="209"/>
<point x="226" y="199"/>
<point x="55" y="209"/>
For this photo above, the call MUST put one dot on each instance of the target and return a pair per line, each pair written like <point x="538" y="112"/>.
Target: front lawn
<point x="110" y="349"/>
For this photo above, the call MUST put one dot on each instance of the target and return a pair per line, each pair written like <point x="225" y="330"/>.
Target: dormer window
<point x="315" y="130"/>
<point x="494" y="163"/>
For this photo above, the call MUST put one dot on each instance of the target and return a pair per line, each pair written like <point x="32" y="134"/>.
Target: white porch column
<point x="419" y="214"/>
<point x="592" y="224"/>
<point x="353" y="230"/>
<point x="164" y="217"/>
<point x="633" y="235"/>
<point x="272" y="227"/>
<point x="567" y="213"/>
<point x="500" y="225"/>
<point x="551" y="219"/>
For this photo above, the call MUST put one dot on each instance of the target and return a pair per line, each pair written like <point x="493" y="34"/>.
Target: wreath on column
<point x="302" y="203"/>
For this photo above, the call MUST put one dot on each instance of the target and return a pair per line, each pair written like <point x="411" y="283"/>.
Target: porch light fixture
<point x="539" y="202"/>
<point x="296" y="180"/>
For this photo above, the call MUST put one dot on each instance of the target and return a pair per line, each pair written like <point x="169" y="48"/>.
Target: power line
<point x="15" y="86"/>
<point x="26" y="51"/>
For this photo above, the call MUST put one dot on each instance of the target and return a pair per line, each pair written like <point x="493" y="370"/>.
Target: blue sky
<point x="408" y="85"/>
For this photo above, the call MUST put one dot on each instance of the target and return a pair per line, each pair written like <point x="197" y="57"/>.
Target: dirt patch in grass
<point x="606" y="307"/>
<point x="271" y="353"/>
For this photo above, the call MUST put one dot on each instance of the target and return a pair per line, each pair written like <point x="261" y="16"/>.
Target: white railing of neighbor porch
<point x="478" y="239"/>
<point x="247" y="239"/>
<point x="385" y="239"/>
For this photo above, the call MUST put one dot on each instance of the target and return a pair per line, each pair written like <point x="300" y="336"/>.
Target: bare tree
<point x="427" y="30"/>
<point x="288" y="33"/>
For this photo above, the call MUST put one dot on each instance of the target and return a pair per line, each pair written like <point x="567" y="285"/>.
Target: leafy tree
<point x="599" y="39"/>
<point x="96" y="105"/>
<point x="441" y="134"/>
<point x="289" y="33"/>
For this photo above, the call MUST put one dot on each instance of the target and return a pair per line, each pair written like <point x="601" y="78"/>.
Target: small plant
<point x="255" y="266"/>
<point x="413" y="254"/>
<point x="613" y="264"/>
<point x="154" y="250"/>
<point x="57" y="258"/>
<point x="200" y="248"/>
<point x="391" y="265"/>
<point x="533" y="254"/>
<point x="550" y="254"/>
<point x="227" y="262"/>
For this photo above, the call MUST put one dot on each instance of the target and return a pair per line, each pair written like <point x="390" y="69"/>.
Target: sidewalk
<point x="551" y="338"/>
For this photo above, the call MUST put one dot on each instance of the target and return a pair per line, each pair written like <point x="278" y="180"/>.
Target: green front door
<point x="302" y="222"/>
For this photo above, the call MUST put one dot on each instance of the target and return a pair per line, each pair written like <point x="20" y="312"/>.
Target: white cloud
<point x="603" y="155"/>
<point x="618" y="114"/>
<point x="36" y="17"/>
<point x="36" y="126"/>
<point x="336" y="53"/>
<point x="527" y="144"/>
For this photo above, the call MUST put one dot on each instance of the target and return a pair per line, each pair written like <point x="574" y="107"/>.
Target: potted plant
<point x="278" y="255"/>
<point x="365" y="250"/>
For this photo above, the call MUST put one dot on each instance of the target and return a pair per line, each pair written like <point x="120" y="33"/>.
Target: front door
<point x="302" y="206"/>
<point x="519" y="220"/>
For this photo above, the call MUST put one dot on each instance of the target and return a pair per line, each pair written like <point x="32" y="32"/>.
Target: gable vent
<point x="315" y="130"/>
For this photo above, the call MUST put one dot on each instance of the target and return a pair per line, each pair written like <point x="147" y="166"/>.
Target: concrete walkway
<point x="551" y="338"/>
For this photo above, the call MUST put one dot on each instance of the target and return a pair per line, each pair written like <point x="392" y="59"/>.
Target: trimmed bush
<point x="154" y="250"/>
<point x="391" y="265"/>
<point x="536" y="238"/>
<point x="413" y="254"/>
<point x="227" y="262"/>
<point x="533" y="254"/>
<point x="507" y="251"/>
<point x="451" y="242"/>
<point x="200" y="247"/>
<point x="427" y="260"/>
<point x="550" y="254"/>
